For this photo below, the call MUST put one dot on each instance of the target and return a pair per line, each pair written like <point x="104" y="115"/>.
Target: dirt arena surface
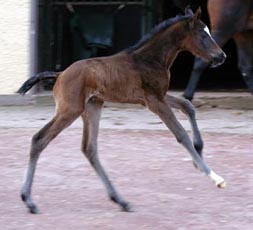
<point x="147" y="166"/>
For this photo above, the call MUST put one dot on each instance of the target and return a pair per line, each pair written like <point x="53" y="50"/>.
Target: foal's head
<point x="200" y="42"/>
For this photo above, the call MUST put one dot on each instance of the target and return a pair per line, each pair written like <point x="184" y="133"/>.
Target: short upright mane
<point x="160" y="27"/>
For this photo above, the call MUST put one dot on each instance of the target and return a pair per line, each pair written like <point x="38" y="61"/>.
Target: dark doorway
<point x="71" y="31"/>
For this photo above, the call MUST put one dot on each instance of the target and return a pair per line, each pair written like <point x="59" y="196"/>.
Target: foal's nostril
<point x="223" y="56"/>
<point x="218" y="60"/>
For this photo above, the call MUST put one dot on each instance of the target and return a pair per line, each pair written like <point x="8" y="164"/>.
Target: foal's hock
<point x="139" y="74"/>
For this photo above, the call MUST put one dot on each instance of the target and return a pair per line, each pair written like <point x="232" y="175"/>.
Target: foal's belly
<point x="119" y="96"/>
<point x="122" y="94"/>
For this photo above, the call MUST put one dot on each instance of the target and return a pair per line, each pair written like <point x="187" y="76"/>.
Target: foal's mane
<point x="157" y="29"/>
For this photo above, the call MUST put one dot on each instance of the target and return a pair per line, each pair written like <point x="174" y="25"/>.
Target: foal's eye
<point x="204" y="35"/>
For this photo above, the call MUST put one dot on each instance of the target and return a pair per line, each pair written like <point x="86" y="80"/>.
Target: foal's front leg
<point x="167" y="116"/>
<point x="91" y="118"/>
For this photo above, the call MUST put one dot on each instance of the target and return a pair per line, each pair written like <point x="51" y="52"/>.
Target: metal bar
<point x="99" y="3"/>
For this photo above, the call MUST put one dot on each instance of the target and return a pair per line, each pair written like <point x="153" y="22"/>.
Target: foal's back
<point x="114" y="78"/>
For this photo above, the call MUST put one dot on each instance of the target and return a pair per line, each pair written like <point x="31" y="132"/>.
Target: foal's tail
<point x="35" y="79"/>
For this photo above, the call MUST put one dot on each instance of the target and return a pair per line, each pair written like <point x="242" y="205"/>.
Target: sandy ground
<point x="149" y="168"/>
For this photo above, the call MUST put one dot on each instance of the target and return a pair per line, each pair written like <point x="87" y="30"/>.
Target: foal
<point x="139" y="74"/>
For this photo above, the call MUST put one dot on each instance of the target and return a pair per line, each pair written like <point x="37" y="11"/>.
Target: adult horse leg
<point x="244" y="42"/>
<point x="187" y="108"/>
<point x="39" y="142"/>
<point x="198" y="69"/>
<point x="91" y="118"/>
<point x="167" y="116"/>
<point x="200" y="65"/>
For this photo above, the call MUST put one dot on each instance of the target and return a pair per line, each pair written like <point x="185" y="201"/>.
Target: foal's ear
<point x="195" y="17"/>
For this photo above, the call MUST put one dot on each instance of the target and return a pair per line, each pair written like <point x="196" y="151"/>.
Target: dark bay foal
<point x="139" y="74"/>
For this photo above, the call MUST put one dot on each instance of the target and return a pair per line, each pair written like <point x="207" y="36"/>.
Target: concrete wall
<point x="14" y="44"/>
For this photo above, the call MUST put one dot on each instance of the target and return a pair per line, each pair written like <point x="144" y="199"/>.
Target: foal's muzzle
<point x="218" y="60"/>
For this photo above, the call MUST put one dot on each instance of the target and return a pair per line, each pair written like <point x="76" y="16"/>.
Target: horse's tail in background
<point x="37" y="78"/>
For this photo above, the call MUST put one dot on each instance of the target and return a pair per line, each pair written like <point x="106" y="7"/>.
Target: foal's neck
<point x="163" y="48"/>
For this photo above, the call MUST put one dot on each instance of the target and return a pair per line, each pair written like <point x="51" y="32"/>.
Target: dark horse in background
<point x="228" y="19"/>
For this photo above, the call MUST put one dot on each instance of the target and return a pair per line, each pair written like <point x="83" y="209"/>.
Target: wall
<point x="14" y="44"/>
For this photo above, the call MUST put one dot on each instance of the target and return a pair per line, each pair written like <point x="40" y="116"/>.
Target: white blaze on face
<point x="207" y="31"/>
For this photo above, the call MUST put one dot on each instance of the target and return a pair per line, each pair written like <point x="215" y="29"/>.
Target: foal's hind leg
<point x="39" y="142"/>
<point x="186" y="107"/>
<point x="167" y="116"/>
<point x="91" y="118"/>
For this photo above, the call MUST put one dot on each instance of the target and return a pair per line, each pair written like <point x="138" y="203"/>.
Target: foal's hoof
<point x="34" y="210"/>
<point x="222" y="185"/>
<point x="218" y="180"/>
<point x="126" y="207"/>
<point x="30" y="205"/>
